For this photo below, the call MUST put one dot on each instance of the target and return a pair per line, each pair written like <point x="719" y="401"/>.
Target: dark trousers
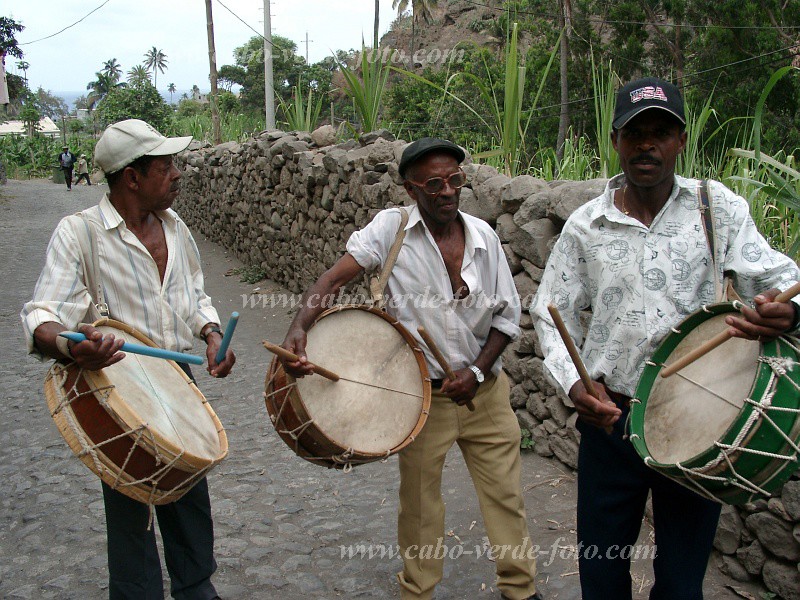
<point x="613" y="483"/>
<point x="81" y="177"/>
<point x="67" y="176"/>
<point x="188" y="535"/>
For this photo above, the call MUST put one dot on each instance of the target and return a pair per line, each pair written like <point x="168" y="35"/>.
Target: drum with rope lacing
<point x="378" y="406"/>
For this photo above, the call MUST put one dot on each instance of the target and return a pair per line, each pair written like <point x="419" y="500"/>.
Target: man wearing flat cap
<point x="652" y="249"/>
<point x="451" y="277"/>
<point x="66" y="160"/>
<point x="151" y="278"/>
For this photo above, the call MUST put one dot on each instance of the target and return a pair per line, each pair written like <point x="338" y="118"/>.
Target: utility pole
<point x="307" y="40"/>
<point x="269" y="90"/>
<point x="212" y="64"/>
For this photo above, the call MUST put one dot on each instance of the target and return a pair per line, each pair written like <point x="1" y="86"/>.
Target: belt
<point x="436" y="383"/>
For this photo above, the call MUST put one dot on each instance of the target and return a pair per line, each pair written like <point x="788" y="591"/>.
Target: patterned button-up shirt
<point x="639" y="281"/>
<point x="171" y="313"/>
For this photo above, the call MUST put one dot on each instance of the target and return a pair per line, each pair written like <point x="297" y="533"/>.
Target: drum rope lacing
<point x="779" y="367"/>
<point x="345" y="458"/>
<point x="65" y="398"/>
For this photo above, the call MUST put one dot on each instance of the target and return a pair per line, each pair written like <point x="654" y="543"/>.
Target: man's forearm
<point x="492" y="349"/>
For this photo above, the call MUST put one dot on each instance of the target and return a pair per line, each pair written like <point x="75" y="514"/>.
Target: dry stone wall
<point x="287" y="202"/>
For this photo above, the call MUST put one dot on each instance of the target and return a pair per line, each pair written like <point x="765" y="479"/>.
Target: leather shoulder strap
<point x="378" y="284"/>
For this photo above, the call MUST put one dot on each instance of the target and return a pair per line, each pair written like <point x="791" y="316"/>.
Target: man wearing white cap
<point x="150" y="273"/>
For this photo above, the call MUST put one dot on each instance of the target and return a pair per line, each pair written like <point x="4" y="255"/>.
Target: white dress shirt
<point x="639" y="281"/>
<point x="420" y="292"/>
<point x="171" y="313"/>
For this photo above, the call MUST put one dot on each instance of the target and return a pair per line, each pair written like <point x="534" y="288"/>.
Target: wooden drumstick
<point x="440" y="359"/>
<point x="286" y="355"/>
<point x="718" y="339"/>
<point x="573" y="354"/>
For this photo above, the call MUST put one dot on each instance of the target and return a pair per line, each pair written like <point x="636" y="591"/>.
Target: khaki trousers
<point x="489" y="441"/>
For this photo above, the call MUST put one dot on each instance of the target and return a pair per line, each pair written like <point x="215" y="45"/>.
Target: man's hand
<point x="97" y="351"/>
<point x="218" y="369"/>
<point x="767" y="321"/>
<point x="463" y="388"/>
<point x="295" y="342"/>
<point x="596" y="409"/>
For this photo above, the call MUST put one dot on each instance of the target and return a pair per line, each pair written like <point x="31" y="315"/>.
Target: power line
<point x="259" y="34"/>
<point x="67" y="27"/>
<point x="613" y="22"/>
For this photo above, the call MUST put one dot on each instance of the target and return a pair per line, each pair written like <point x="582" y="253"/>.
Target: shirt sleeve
<point x="507" y="313"/>
<point x="370" y="246"/>
<point x="754" y="264"/>
<point x="563" y="285"/>
<point x="204" y="311"/>
<point x="60" y="295"/>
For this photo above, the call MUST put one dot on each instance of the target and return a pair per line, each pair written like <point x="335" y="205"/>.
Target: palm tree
<point x="138" y="75"/>
<point x="421" y="10"/>
<point x="113" y="69"/>
<point x="99" y="88"/>
<point x="155" y="60"/>
<point x="23" y="66"/>
<point x="171" y="89"/>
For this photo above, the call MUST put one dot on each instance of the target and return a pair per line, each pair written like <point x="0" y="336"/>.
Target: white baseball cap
<point x="124" y="142"/>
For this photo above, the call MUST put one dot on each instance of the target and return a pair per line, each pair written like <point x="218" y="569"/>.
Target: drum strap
<point x="724" y="291"/>
<point x="378" y="284"/>
<point x="91" y="263"/>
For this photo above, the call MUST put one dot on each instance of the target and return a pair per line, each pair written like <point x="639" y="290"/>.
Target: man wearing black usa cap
<point x="451" y="277"/>
<point x="639" y="257"/>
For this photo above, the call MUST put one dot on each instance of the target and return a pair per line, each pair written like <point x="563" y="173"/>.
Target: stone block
<point x="532" y="241"/>
<point x="505" y="227"/>
<point x="519" y="190"/>
<point x="729" y="530"/>
<point x="782" y="579"/>
<point x="775" y="535"/>
<point x="752" y="557"/>
<point x="790" y="496"/>
<point x="565" y="450"/>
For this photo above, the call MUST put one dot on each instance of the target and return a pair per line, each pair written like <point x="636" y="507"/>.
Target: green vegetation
<point x="536" y="98"/>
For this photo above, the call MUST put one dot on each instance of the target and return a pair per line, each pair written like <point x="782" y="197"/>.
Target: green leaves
<point x="367" y="91"/>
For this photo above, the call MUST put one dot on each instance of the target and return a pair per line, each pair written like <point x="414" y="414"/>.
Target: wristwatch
<point x="478" y="373"/>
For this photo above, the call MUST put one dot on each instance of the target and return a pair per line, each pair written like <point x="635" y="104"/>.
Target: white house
<point x="46" y="127"/>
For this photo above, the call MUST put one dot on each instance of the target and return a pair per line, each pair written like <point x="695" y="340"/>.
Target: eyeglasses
<point x="436" y="185"/>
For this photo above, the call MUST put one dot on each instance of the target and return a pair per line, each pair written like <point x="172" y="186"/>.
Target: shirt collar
<point x="112" y="219"/>
<point x="607" y="209"/>
<point x="474" y="240"/>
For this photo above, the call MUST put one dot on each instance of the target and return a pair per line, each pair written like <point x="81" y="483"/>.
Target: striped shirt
<point x="420" y="292"/>
<point x="171" y="313"/>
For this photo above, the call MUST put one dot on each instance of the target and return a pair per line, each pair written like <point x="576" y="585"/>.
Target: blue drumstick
<point x="145" y="350"/>
<point x="226" y="339"/>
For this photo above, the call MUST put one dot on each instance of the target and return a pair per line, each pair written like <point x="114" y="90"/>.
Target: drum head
<point x="377" y="403"/>
<point x="153" y="391"/>
<point x="689" y="411"/>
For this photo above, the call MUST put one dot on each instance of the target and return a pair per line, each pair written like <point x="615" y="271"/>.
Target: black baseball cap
<point x="416" y="150"/>
<point x="642" y="94"/>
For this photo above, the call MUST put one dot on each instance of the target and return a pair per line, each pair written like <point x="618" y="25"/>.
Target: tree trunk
<point x="377" y="15"/>
<point x="212" y="64"/>
<point x="565" y="22"/>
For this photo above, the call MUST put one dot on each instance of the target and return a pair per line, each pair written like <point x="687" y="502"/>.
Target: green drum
<point x="728" y="425"/>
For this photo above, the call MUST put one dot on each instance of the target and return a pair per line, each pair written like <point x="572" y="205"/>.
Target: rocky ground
<point x="281" y="522"/>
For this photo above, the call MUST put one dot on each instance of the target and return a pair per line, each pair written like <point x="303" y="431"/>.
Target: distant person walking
<point x="83" y="170"/>
<point x="67" y="161"/>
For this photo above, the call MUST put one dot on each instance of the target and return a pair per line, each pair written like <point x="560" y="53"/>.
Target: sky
<point x="126" y="29"/>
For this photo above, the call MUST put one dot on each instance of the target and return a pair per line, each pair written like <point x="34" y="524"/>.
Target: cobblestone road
<point x="281" y="523"/>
